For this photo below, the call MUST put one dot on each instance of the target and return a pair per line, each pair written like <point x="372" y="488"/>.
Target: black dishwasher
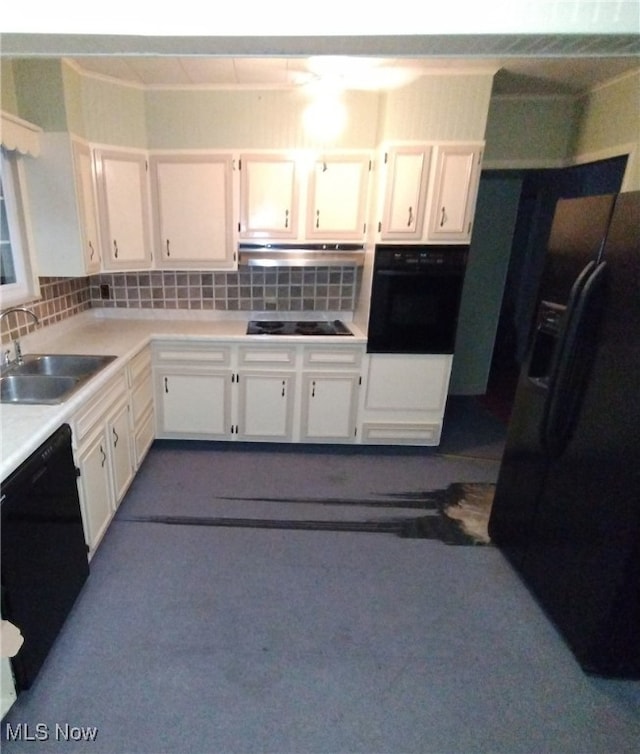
<point x="44" y="556"/>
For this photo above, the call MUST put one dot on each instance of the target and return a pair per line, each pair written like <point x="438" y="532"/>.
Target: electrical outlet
<point x="104" y="291"/>
<point x="270" y="304"/>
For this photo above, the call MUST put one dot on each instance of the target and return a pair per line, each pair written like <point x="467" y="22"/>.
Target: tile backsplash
<point x="248" y="289"/>
<point x="60" y="298"/>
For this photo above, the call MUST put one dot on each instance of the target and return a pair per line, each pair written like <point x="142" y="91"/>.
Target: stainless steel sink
<point x="29" y="388"/>
<point x="65" y="365"/>
<point x="48" y="378"/>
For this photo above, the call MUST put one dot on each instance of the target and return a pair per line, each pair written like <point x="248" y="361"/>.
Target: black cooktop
<point x="314" y="327"/>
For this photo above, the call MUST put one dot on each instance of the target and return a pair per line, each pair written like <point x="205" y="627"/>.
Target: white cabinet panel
<point x="405" y="398"/>
<point x="407" y="383"/>
<point x="62" y="207"/>
<point x="96" y="495"/>
<point x="268" y="196"/>
<point x="337" y="197"/>
<point x="329" y="406"/>
<point x="121" y="450"/>
<point x="124" y="206"/>
<point x="193" y="403"/>
<point x="405" y="192"/>
<point x="266" y="405"/>
<point x="454" y="192"/>
<point x="85" y="189"/>
<point x="102" y="431"/>
<point x="192" y="201"/>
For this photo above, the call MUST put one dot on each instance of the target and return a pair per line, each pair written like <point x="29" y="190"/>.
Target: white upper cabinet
<point x="428" y="194"/>
<point x="268" y="196"/>
<point x="124" y="208"/>
<point x="454" y="191"/>
<point x="62" y="204"/>
<point x="193" y="211"/>
<point x="85" y="189"/>
<point x="405" y="192"/>
<point x="337" y="197"/>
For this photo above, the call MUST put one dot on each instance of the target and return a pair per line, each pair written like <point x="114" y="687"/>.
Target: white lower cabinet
<point x="405" y="398"/>
<point x="331" y="381"/>
<point x="329" y="404"/>
<point x="193" y="402"/>
<point x="104" y="455"/>
<point x="142" y="407"/>
<point x="95" y="487"/>
<point x="274" y="392"/>
<point x="265" y="406"/>
<point x="192" y="390"/>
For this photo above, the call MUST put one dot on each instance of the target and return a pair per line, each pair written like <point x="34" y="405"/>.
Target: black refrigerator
<point x="566" y="511"/>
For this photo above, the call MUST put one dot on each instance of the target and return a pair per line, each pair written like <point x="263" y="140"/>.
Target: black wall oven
<point x="415" y="298"/>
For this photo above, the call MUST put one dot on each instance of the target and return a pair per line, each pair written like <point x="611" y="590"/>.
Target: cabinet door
<point x="120" y="450"/>
<point x="266" y="406"/>
<point x="410" y="383"/>
<point x="405" y="192"/>
<point x="337" y="197"/>
<point x="192" y="201"/>
<point x="94" y="486"/>
<point x="124" y="204"/>
<point x="85" y="189"/>
<point x="329" y="407"/>
<point x="193" y="404"/>
<point x="454" y="192"/>
<point x="268" y="197"/>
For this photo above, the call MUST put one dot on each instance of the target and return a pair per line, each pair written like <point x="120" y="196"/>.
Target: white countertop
<point x="120" y="333"/>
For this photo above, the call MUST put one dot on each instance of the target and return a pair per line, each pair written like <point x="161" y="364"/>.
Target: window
<point x="17" y="282"/>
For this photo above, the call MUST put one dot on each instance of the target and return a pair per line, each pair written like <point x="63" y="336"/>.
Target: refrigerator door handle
<point x="574" y="357"/>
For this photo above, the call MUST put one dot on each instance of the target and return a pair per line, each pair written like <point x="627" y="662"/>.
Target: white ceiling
<point x="516" y="75"/>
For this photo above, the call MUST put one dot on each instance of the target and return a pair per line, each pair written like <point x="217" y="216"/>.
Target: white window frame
<point x="26" y="288"/>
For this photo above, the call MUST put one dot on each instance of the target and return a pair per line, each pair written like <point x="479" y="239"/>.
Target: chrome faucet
<point x="6" y="359"/>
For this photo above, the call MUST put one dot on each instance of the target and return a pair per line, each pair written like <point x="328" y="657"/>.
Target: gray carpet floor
<point x="220" y="640"/>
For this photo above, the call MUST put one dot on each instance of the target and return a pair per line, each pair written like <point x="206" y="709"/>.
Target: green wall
<point x="8" y="101"/>
<point x="533" y="132"/>
<point x="609" y="117"/>
<point x="40" y="93"/>
<point x="497" y="207"/>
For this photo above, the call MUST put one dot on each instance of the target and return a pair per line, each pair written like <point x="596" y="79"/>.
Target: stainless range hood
<point x="301" y="255"/>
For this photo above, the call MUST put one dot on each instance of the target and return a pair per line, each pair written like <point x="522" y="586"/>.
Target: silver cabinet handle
<point x="115" y="248"/>
<point x="91" y="251"/>
<point x="115" y="437"/>
<point x="286" y="218"/>
<point x="410" y="218"/>
<point x="168" y="250"/>
<point x="317" y="218"/>
<point x="313" y="389"/>
<point x="443" y="217"/>
<point x="104" y="456"/>
<point x="283" y="387"/>
<point x="166" y="384"/>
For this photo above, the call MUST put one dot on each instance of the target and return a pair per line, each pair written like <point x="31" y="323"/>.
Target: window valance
<point x="19" y="135"/>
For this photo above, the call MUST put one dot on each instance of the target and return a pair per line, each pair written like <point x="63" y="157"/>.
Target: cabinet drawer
<point x="401" y="433"/>
<point x="141" y="398"/>
<point x="268" y="356"/>
<point x="93" y="411"/>
<point x="139" y="366"/>
<point x="209" y="353"/>
<point x="333" y="357"/>
<point x="143" y="437"/>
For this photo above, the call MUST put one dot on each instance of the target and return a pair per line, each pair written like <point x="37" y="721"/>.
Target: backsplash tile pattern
<point x="248" y="289"/>
<point x="60" y="298"/>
